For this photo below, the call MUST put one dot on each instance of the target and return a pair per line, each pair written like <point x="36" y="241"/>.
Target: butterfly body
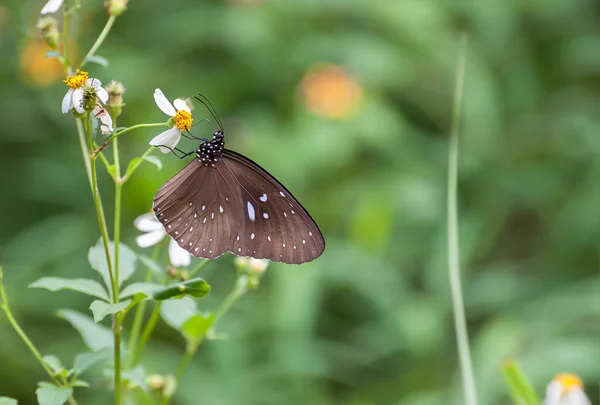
<point x="222" y="201"/>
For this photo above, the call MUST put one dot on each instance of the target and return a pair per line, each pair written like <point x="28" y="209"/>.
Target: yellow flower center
<point x="78" y="80"/>
<point x="569" y="382"/>
<point x="183" y="120"/>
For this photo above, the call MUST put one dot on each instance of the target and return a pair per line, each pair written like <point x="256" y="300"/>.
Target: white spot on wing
<point x="203" y="207"/>
<point x="221" y="209"/>
<point x="310" y="234"/>
<point x="195" y="215"/>
<point x="204" y="220"/>
<point x="268" y="237"/>
<point x="292" y="211"/>
<point x="284" y="214"/>
<point x="195" y="250"/>
<point x="252" y="236"/>
<point x="265" y="215"/>
<point x="251" y="211"/>
<point x="239" y="249"/>
<point x="238" y="237"/>
<point x="281" y="194"/>
<point x="263" y="197"/>
<point x="303" y="241"/>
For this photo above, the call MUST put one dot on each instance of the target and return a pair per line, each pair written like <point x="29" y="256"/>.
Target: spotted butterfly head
<point x="218" y="135"/>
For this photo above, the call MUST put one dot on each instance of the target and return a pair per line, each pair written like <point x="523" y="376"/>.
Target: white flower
<point x="155" y="232"/>
<point x="106" y="124"/>
<point x="51" y="6"/>
<point x="258" y="266"/>
<point x="566" y="389"/>
<point x="77" y="84"/>
<point x="182" y="121"/>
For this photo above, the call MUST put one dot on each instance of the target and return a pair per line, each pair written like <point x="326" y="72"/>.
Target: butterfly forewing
<point x="235" y="205"/>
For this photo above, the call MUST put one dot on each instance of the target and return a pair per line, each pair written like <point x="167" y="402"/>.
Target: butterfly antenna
<point x="207" y="120"/>
<point x="183" y="154"/>
<point x="204" y="100"/>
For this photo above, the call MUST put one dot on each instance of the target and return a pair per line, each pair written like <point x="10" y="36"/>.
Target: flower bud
<point x="48" y="27"/>
<point x="156" y="382"/>
<point x="115" y="103"/>
<point x="172" y="272"/>
<point x="116" y="7"/>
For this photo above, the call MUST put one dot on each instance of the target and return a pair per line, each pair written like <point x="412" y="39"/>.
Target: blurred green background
<point x="370" y="322"/>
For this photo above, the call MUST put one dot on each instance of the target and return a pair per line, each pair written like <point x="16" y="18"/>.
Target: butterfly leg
<point x="183" y="154"/>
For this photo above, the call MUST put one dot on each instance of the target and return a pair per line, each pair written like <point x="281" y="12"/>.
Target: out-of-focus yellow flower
<point x="35" y="67"/>
<point x="327" y="90"/>
<point x="566" y="389"/>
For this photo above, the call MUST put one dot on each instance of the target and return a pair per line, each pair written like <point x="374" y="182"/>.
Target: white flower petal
<point x="93" y="82"/>
<point x="179" y="257"/>
<point x="169" y="138"/>
<point x="51" y="6"/>
<point x="78" y="100"/>
<point x="149" y="239"/>
<point x="102" y="94"/>
<point x="147" y="223"/>
<point x="181" y="105"/>
<point x="577" y="397"/>
<point x="67" y="102"/>
<point x="164" y="104"/>
<point x="553" y="393"/>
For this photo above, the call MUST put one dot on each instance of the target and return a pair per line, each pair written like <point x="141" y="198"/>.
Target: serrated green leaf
<point x="196" y="327"/>
<point x="80" y="383"/>
<point x="176" y="312"/>
<point x="82" y="285"/>
<point x="136" y="288"/>
<point x="95" y="336"/>
<point x="85" y="361"/>
<point x="101" y="309"/>
<point x="48" y="394"/>
<point x="154" y="160"/>
<point x="97" y="59"/>
<point x="53" y="362"/>
<point x="195" y="287"/>
<point x="127" y="259"/>
<point x="8" y="401"/>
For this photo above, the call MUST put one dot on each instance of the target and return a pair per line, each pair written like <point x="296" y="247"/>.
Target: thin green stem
<point x="241" y="286"/>
<point x="84" y="149"/>
<point x="139" y="317"/>
<point x="199" y="267"/>
<point x="147" y="332"/>
<point x="117" y="318"/>
<point x="15" y="325"/>
<point x="453" y="247"/>
<point x="125" y="130"/>
<point x="137" y="164"/>
<point x="99" y="40"/>
<point x="180" y="371"/>
<point x="65" y="37"/>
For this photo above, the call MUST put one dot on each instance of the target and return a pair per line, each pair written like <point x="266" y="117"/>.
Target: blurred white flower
<point x="256" y="265"/>
<point x="106" y="124"/>
<point x="182" y="121"/>
<point x="51" y="6"/>
<point x="155" y="232"/>
<point x="77" y="84"/>
<point x="566" y="389"/>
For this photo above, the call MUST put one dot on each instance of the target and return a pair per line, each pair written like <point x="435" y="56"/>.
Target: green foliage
<point x="85" y="361"/>
<point x="101" y="309"/>
<point x="127" y="260"/>
<point x="95" y="336"/>
<point x="8" y="401"/>
<point x="50" y="394"/>
<point x="89" y="287"/>
<point x="195" y="287"/>
<point x="520" y="388"/>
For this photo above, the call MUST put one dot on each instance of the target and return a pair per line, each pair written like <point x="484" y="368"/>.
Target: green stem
<point x="199" y="267"/>
<point x="84" y="150"/>
<point x="13" y="322"/>
<point x="137" y="164"/>
<point x="99" y="40"/>
<point x="180" y="371"/>
<point x="125" y="130"/>
<point x="139" y="317"/>
<point x="117" y="318"/>
<point x="147" y="332"/>
<point x="453" y="248"/>
<point x="65" y="37"/>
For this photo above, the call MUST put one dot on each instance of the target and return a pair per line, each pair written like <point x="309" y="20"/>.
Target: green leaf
<point x="82" y="285"/>
<point x="95" y="336"/>
<point x="136" y="377"/>
<point x="520" y="388"/>
<point x="135" y="288"/>
<point x="53" y="54"/>
<point x="54" y="363"/>
<point x="101" y="309"/>
<point x="154" y="160"/>
<point x="127" y="259"/>
<point x="152" y="265"/>
<point x="97" y="59"/>
<point x="196" y="327"/>
<point x="195" y="287"/>
<point x="80" y="383"/>
<point x="48" y="394"/>
<point x="176" y="312"/>
<point x="8" y="401"/>
<point x="85" y="361"/>
<point x="112" y="170"/>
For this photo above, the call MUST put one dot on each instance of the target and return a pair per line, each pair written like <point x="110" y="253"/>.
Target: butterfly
<point x="224" y="202"/>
